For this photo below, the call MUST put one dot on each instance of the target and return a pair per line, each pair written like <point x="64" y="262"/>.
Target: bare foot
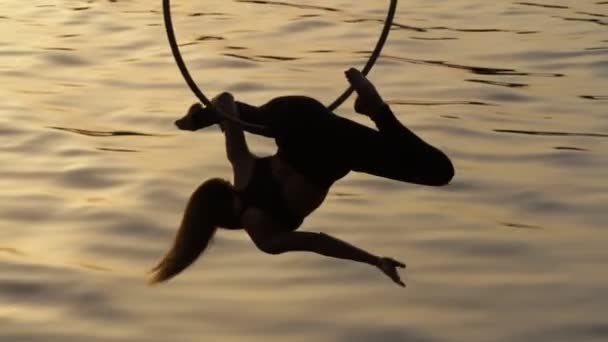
<point x="197" y="118"/>
<point x="368" y="100"/>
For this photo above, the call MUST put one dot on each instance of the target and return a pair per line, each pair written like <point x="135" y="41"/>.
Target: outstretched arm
<point x="320" y="243"/>
<point x="330" y="246"/>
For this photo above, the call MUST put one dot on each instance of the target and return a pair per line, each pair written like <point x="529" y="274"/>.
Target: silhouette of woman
<point x="271" y="196"/>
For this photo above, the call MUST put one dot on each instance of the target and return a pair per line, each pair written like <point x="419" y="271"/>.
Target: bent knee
<point x="442" y="170"/>
<point x="434" y="169"/>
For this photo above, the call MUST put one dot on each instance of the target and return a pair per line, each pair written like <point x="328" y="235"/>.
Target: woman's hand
<point x="389" y="267"/>
<point x="368" y="100"/>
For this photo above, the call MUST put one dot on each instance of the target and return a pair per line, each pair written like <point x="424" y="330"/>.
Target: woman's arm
<point x="236" y="144"/>
<point x="259" y="227"/>
<point x="237" y="151"/>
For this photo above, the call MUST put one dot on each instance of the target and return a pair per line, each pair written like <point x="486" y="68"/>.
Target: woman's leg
<point x="397" y="153"/>
<point x="324" y="145"/>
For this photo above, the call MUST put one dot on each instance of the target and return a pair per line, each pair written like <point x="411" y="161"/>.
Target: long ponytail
<point x="208" y="208"/>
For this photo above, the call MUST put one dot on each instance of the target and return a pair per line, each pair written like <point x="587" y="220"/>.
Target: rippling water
<point x="94" y="175"/>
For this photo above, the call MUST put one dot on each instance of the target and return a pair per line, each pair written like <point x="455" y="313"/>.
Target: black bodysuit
<point x="325" y="147"/>
<point x="264" y="192"/>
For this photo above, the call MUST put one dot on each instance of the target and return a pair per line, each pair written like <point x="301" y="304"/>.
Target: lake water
<point x="94" y="176"/>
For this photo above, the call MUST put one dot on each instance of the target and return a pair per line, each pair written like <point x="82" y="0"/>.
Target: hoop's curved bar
<point x="388" y="23"/>
<point x="184" y="70"/>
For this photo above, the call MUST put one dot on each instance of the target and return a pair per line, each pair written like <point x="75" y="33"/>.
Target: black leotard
<point x="264" y="192"/>
<point x="325" y="147"/>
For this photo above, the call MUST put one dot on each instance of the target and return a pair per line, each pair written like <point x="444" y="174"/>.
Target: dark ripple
<point x="71" y="35"/>
<point x="440" y="28"/>
<point x="473" y="69"/>
<point x="599" y="48"/>
<point x="243" y="57"/>
<point x="438" y="103"/>
<point x="58" y="49"/>
<point x="552" y="134"/>
<point x="482" y="30"/>
<point x="593" y="14"/>
<point x="261" y="58"/>
<point x="568" y="148"/>
<point x="205" y="38"/>
<point x="212" y="14"/>
<point x="542" y="5"/>
<point x="310" y="15"/>
<point x="321" y="51"/>
<point x="278" y="58"/>
<point x="185" y="44"/>
<point x="595" y="98"/>
<point x="105" y="133"/>
<point x="395" y="25"/>
<point x="588" y="20"/>
<point x="116" y="150"/>
<point x="286" y="4"/>
<point x="501" y="84"/>
<point x="520" y="226"/>
<point x="431" y="38"/>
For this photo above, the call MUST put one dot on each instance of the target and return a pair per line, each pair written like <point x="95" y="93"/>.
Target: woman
<point x="271" y="196"/>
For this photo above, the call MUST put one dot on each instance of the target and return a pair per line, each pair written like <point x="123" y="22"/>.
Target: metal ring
<point x="388" y="22"/>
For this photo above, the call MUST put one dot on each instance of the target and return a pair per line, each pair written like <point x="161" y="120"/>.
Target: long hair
<point x="209" y="207"/>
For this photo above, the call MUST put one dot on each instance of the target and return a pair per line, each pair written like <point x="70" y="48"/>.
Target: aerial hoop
<point x="388" y="22"/>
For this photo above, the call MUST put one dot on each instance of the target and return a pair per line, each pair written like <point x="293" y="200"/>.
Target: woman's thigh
<point x="325" y="147"/>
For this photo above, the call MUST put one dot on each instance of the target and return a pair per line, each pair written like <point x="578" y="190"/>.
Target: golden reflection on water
<point x="94" y="176"/>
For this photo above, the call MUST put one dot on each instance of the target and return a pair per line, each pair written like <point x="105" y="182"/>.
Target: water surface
<point x="95" y="177"/>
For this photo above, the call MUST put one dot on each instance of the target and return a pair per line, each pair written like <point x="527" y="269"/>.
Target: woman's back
<point x="279" y="191"/>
